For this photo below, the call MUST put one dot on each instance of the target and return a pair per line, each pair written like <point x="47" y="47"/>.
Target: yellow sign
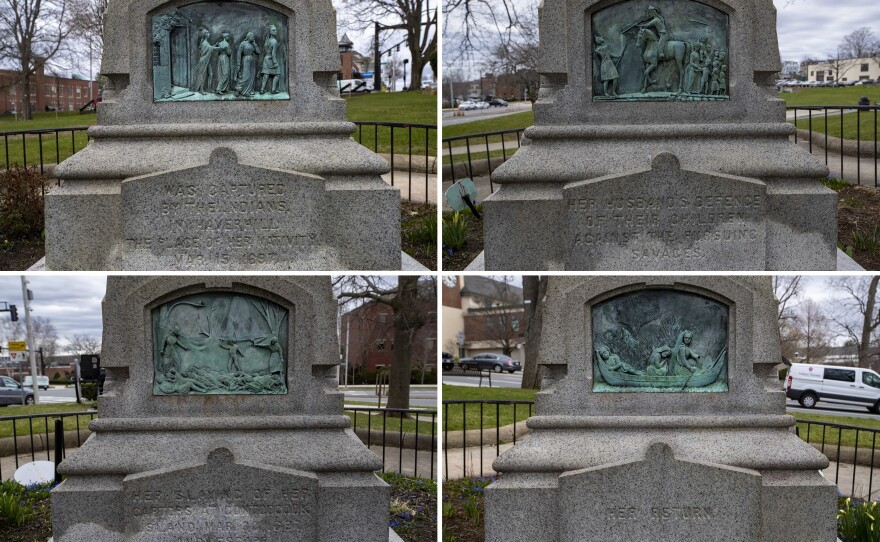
<point x="17" y="346"/>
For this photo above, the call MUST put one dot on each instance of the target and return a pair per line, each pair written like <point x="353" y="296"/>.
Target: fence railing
<point x="851" y="449"/>
<point x="27" y="437"/>
<point x="845" y="136"/>
<point x="409" y="147"/>
<point x="405" y="439"/>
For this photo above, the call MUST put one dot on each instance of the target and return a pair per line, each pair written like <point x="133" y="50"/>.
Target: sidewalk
<point x="414" y="192"/>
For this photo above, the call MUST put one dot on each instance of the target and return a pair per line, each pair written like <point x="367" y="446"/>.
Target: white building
<point x="790" y="69"/>
<point x="844" y="71"/>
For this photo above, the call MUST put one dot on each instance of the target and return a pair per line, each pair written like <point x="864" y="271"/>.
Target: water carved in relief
<point x="660" y="341"/>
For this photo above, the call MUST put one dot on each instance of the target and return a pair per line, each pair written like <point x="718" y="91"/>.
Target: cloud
<point x="71" y="302"/>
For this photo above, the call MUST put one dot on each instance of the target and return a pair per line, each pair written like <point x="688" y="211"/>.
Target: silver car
<point x="11" y="392"/>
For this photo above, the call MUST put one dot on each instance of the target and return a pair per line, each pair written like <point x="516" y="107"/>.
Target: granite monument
<point x="659" y="143"/>
<point x="222" y="144"/>
<point x="220" y="420"/>
<point x="660" y="417"/>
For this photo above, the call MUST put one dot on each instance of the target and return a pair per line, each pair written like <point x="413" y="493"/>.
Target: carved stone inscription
<point x="219" y="51"/>
<point x="219" y="343"/>
<point x="659" y="341"/>
<point x="660" y="50"/>
<point x="221" y="501"/>
<point x="660" y="498"/>
<point x="666" y="219"/>
<point x="224" y="214"/>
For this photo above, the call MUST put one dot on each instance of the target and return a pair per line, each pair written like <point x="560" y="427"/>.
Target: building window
<point x="514" y="323"/>
<point x="490" y="324"/>
<point x="380" y="345"/>
<point x="865" y="67"/>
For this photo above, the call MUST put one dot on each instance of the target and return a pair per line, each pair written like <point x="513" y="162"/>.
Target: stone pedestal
<point x="264" y="454"/>
<point x="614" y="462"/>
<point x="585" y="166"/>
<point x="293" y="191"/>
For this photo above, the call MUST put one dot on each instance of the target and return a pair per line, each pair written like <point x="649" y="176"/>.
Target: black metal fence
<point x="409" y="147"/>
<point x="26" y="437"/>
<point x="405" y="439"/>
<point x="845" y="136"/>
<point x="851" y="449"/>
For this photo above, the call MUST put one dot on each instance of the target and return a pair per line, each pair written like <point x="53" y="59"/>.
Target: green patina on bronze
<point x="660" y="50"/>
<point x="660" y="341"/>
<point x="219" y="343"/>
<point x="210" y="51"/>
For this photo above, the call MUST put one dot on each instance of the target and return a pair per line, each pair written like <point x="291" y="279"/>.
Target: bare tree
<point x="478" y="25"/>
<point x="858" y="315"/>
<point x="788" y="291"/>
<point x="517" y="57"/>
<point x="87" y="27"/>
<point x="82" y="344"/>
<point x="861" y="43"/>
<point x="32" y="33"/>
<point x="815" y="335"/>
<point x="503" y="315"/>
<point x="419" y="21"/>
<point x="45" y="338"/>
<point x="839" y="64"/>
<point x="406" y="299"/>
<point x="534" y="290"/>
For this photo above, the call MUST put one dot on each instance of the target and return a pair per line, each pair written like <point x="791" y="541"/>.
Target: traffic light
<point x="13" y="313"/>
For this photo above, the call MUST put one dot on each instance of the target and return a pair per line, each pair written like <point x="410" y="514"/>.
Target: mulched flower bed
<point x="457" y="260"/>
<point x="25" y="515"/>
<point x="463" y="517"/>
<point x="413" y="507"/>
<point x="417" y="240"/>
<point x="858" y="210"/>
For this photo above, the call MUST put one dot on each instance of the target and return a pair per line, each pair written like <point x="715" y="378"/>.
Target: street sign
<point x="15" y="356"/>
<point x="17" y="346"/>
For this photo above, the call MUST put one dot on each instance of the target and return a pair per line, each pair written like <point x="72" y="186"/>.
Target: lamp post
<point x="405" y="62"/>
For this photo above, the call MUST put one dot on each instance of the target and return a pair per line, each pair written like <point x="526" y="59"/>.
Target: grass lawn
<point x="365" y="420"/>
<point x="507" y="122"/>
<point x="847" y="437"/>
<point x="458" y="416"/>
<point x="831" y="95"/>
<point x="404" y="107"/>
<point x="856" y="125"/>
<point x="38" y="425"/>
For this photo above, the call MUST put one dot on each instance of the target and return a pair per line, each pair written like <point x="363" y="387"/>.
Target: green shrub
<point x="865" y="241"/>
<point x="21" y="205"/>
<point x="89" y="391"/>
<point x="858" y="521"/>
<point x="455" y="231"/>
<point x="835" y="184"/>
<point x="18" y="502"/>
<point x="425" y="233"/>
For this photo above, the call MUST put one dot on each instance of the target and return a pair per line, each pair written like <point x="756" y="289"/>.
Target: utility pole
<point x="377" y="61"/>
<point x="32" y="353"/>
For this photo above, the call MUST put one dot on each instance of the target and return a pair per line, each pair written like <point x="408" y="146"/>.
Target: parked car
<point x="467" y="105"/>
<point x="497" y="102"/>
<point x="864" y="82"/>
<point x="448" y="361"/>
<point x="808" y="384"/>
<point x="482" y="105"/>
<point x="42" y="382"/>
<point x="494" y="362"/>
<point x="11" y="392"/>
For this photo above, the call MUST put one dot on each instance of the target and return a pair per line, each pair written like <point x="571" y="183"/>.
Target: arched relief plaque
<point x="219" y="51"/>
<point x="660" y="341"/>
<point x="219" y="343"/>
<point x="660" y="50"/>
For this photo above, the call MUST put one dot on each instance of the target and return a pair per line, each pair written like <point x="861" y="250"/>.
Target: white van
<point x="808" y="384"/>
<point x="42" y="382"/>
<point x="349" y="86"/>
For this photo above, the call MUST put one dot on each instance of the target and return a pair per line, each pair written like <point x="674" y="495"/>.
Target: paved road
<point x="483" y="114"/>
<point x="418" y="396"/>
<point x="499" y="380"/>
<point x="833" y="409"/>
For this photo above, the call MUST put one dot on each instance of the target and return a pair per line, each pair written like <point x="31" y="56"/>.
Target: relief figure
<point x="204" y="73"/>
<point x="613" y="363"/>
<point x="224" y="64"/>
<point x="247" y="65"/>
<point x="609" y="75"/>
<point x="270" y="68"/>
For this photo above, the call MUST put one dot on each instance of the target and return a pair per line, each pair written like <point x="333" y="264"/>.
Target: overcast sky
<point x="816" y="27"/>
<point x="71" y="302"/>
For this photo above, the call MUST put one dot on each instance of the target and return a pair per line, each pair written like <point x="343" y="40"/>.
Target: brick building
<point x="367" y="333"/>
<point x="48" y="92"/>
<point x="482" y="315"/>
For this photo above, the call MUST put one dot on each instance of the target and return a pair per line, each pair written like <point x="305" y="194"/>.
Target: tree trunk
<point x="407" y="321"/>
<point x="534" y="290"/>
<point x="416" y="65"/>
<point x="25" y="90"/>
<point x="868" y="325"/>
